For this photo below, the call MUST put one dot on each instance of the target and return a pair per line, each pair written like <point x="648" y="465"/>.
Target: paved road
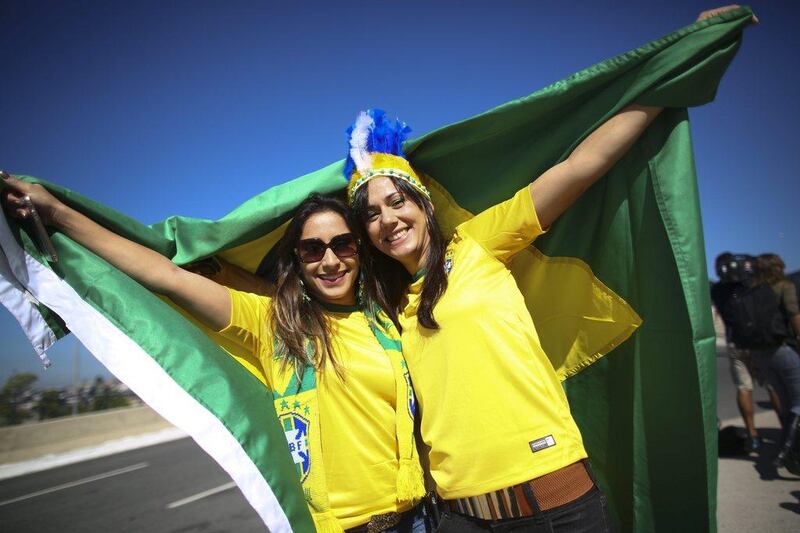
<point x="130" y="491"/>
<point x="752" y="495"/>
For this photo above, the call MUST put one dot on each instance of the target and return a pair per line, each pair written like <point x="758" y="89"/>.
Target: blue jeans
<point x="589" y="513"/>
<point x="781" y="368"/>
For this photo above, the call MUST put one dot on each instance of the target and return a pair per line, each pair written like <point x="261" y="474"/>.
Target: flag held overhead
<point x="630" y="250"/>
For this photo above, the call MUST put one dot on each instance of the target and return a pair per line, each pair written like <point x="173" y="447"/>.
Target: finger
<point x="8" y="199"/>
<point x="13" y="182"/>
<point x="716" y="11"/>
<point x="14" y="205"/>
<point x="12" y="194"/>
<point x="15" y="200"/>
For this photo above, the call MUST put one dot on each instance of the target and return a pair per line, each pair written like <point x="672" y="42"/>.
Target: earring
<point x="306" y="297"/>
<point x="361" y="296"/>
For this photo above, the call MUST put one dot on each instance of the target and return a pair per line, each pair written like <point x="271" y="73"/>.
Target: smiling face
<point x="396" y="225"/>
<point x="331" y="279"/>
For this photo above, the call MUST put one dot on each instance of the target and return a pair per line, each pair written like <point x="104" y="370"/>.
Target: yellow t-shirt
<point x="356" y="416"/>
<point x="494" y="413"/>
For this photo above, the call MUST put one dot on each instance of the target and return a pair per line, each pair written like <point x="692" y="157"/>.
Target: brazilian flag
<point x="617" y="288"/>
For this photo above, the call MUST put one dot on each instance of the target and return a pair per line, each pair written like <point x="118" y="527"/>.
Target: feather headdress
<point x="376" y="149"/>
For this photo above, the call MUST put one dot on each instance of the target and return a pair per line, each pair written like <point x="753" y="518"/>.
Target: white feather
<point x="358" y="142"/>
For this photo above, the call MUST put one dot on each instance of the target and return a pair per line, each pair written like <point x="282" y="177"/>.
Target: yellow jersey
<point x="356" y="415"/>
<point x="494" y="413"/>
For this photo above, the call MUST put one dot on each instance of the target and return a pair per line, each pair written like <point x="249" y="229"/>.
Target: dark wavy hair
<point x="301" y="326"/>
<point x="386" y="280"/>
<point x="770" y="269"/>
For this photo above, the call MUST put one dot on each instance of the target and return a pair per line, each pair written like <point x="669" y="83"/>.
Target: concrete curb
<point x="90" y="452"/>
<point x="62" y="435"/>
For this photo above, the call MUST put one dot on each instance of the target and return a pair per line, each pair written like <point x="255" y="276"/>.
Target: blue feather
<point x="386" y="136"/>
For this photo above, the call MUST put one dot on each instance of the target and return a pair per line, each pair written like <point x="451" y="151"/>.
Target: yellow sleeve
<point x="506" y="228"/>
<point x="249" y="327"/>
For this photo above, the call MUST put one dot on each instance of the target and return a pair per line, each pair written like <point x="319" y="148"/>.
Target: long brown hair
<point x="301" y="326"/>
<point x="386" y="280"/>
<point x="770" y="269"/>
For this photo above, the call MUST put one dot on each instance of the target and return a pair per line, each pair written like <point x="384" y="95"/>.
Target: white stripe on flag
<point x="22" y="305"/>
<point x="132" y="365"/>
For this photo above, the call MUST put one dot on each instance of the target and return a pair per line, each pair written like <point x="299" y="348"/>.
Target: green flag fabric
<point x="643" y="394"/>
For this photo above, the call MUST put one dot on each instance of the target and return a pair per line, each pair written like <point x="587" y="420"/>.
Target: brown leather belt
<point x="382" y="522"/>
<point x="551" y="490"/>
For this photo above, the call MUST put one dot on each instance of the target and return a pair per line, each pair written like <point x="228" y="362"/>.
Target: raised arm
<point x="203" y="298"/>
<point x="558" y="187"/>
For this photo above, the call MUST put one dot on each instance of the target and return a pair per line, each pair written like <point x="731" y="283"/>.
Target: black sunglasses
<point x="313" y="250"/>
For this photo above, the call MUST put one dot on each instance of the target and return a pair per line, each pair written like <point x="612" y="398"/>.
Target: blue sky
<point x="190" y="108"/>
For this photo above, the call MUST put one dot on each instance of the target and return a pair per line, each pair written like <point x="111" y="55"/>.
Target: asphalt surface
<point x="752" y="495"/>
<point x="131" y="491"/>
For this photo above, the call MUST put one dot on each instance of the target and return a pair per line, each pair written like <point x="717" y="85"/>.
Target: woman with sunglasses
<point x="332" y="359"/>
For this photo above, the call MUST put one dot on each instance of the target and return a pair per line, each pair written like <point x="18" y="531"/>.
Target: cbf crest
<point x="448" y="261"/>
<point x="296" y="428"/>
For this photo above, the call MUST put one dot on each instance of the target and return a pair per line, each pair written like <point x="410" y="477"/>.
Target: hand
<point x="718" y="10"/>
<point x="233" y="276"/>
<point x="210" y="267"/>
<point x="12" y="197"/>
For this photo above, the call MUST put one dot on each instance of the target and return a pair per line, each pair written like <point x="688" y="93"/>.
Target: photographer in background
<point x="762" y="321"/>
<point x="735" y="273"/>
